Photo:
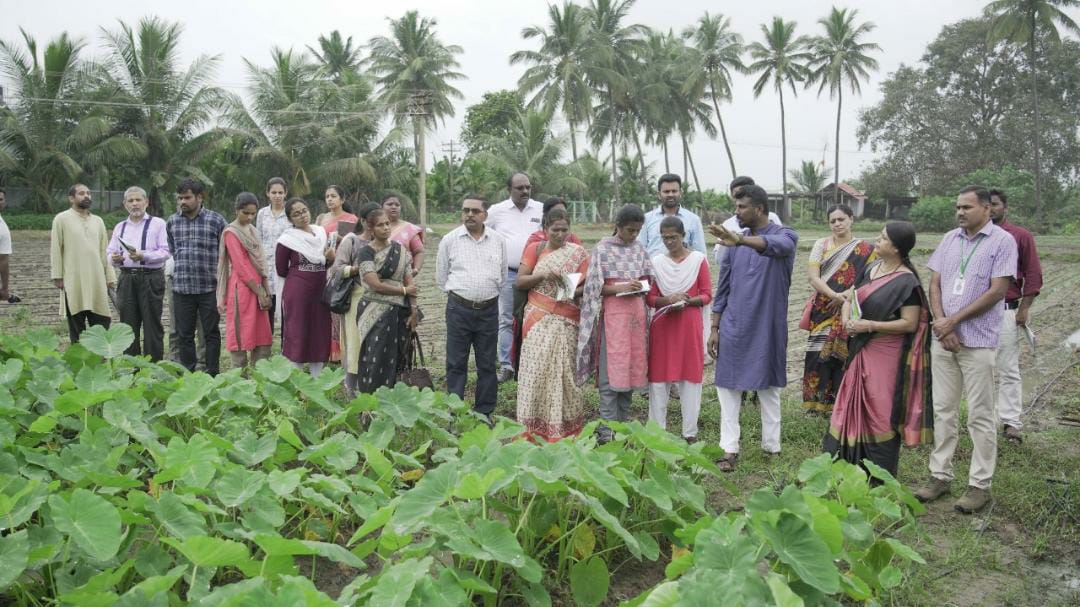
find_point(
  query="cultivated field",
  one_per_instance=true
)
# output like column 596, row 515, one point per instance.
column 1024, row 550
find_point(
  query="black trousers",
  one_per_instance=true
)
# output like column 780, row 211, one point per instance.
column 201, row 308
column 81, row 321
column 479, row 330
column 140, row 297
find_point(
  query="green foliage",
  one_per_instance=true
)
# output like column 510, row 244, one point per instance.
column 148, row 485
column 1018, row 185
column 934, row 213
column 491, row 120
column 833, row 536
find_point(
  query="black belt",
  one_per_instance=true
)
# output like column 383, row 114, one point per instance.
column 473, row 305
column 1012, row 305
column 140, row 270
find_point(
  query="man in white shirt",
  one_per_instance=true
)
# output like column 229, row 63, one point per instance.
column 514, row 219
column 471, row 267
column 5, row 252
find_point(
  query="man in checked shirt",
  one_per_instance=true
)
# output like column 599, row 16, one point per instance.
column 194, row 238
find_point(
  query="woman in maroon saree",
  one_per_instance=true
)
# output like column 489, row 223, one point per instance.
column 884, row 398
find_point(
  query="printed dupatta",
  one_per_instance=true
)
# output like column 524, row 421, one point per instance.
column 612, row 258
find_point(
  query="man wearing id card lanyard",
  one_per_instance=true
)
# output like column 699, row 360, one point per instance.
column 970, row 273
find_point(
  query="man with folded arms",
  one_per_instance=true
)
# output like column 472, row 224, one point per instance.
column 139, row 248
column 471, row 267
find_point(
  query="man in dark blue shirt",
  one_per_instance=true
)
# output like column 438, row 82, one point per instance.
column 194, row 238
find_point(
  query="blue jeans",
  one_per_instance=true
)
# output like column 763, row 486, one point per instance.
column 506, row 319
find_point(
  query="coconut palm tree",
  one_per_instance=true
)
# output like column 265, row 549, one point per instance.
column 809, row 178
column 339, row 58
column 304, row 125
column 161, row 104
column 50, row 133
column 557, row 71
column 413, row 70
column 781, row 61
column 839, row 57
column 612, row 48
column 716, row 52
column 1031, row 22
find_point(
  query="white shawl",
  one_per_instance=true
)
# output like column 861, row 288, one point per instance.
column 310, row 245
column 677, row 277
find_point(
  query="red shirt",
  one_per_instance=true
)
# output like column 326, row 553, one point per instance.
column 1028, row 281
column 540, row 235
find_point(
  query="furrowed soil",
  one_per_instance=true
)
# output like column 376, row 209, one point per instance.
column 1024, row 549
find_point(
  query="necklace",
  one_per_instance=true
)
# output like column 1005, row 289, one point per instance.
column 879, row 270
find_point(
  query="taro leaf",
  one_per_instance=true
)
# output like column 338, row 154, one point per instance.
column 816, row 474
column 284, row 483
column 855, row 587
column 650, row 549
column 43, row 424
column 107, row 343
column 826, row 524
column 535, row 595
column 589, row 581
column 664, row 595
column 10, row 371
column 608, row 520
column 238, row 486
column 127, row 414
column 400, row 404
column 75, row 401
column 546, row 463
column 430, row 492
column 242, row 393
column 443, row 590
column 890, row 577
column 263, row 514
column 14, row 554
column 280, row 546
column 204, row 551
column 473, row 486
column 395, row 585
column 583, row 541
column 177, row 518
column 853, row 486
column 470, row 581
column 192, row 390
column 275, row 370
column 313, row 390
column 782, row 593
column 252, row 450
column 592, row 472
column 797, row 546
column 194, row 462
column 90, row 520
column 375, row 521
column 905, row 551
column 499, row 542
column 857, row 530
column 287, row 433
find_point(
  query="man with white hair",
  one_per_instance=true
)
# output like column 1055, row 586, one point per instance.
column 139, row 249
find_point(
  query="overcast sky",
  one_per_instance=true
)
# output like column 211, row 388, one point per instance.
column 490, row 30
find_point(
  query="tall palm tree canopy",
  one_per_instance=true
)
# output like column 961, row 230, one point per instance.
column 1017, row 20
column 715, row 54
column 840, row 55
column 411, row 61
column 781, row 59
column 338, row 57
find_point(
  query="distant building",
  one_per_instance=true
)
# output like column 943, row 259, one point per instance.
column 848, row 195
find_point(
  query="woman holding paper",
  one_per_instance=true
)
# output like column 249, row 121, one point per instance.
column 549, row 402
column 335, row 214
column 614, row 336
column 884, row 397
column 677, row 349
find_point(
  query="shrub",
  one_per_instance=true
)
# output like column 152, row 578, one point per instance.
column 934, row 213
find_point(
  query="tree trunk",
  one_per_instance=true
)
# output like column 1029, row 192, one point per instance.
column 836, row 161
column 573, row 141
column 723, row 131
column 418, row 130
column 640, row 155
column 785, row 210
column 685, row 162
column 690, row 158
column 1039, row 216
column 615, row 162
column 667, row 164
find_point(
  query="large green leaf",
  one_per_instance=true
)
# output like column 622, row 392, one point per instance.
column 797, row 546
column 204, row 551
column 280, row 546
column 395, row 585
column 90, row 520
column 589, row 582
column 430, row 492
column 107, row 343
column 14, row 553
column 782, row 593
column 252, row 450
column 284, row 483
column 193, row 389
column 275, row 370
column 238, row 485
column 194, row 462
column 591, row 470
column 177, row 518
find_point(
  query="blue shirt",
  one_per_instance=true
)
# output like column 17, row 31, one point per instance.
column 195, row 244
column 649, row 237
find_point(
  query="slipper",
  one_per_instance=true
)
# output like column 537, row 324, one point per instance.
column 1013, row 435
column 727, row 463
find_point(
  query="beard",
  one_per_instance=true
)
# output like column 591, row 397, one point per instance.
column 84, row 204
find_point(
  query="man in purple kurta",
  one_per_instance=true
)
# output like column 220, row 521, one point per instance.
column 749, row 321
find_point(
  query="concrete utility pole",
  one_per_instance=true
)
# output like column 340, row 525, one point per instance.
column 419, row 109
column 450, row 149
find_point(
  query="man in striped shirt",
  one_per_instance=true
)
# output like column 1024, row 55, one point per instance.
column 970, row 273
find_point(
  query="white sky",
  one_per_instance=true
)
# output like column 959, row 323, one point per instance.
column 489, row 31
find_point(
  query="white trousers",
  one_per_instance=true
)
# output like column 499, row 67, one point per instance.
column 731, row 402
column 968, row 373
column 689, row 396
column 1010, row 386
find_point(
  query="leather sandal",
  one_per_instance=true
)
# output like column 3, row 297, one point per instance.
column 727, row 463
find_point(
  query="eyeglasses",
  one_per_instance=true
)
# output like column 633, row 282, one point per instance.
column 299, row 213
column 471, row 211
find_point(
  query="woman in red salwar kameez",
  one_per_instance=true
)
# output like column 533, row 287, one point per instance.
column 243, row 293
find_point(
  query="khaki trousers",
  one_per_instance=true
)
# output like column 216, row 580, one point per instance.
column 1010, row 385
column 968, row 373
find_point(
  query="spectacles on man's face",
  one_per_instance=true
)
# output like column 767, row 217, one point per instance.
column 471, row 211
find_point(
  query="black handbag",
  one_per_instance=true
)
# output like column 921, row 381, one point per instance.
column 412, row 374
column 337, row 294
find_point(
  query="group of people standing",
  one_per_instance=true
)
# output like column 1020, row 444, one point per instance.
column 268, row 263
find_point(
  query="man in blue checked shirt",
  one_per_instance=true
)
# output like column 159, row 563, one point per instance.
column 194, row 238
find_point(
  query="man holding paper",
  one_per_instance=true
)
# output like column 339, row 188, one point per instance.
column 749, row 321
column 139, row 248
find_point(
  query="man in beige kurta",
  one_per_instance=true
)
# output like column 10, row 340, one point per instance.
column 80, row 267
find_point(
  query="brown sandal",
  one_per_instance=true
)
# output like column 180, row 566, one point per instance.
column 727, row 463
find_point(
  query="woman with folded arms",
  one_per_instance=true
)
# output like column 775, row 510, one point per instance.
column 243, row 291
column 301, row 259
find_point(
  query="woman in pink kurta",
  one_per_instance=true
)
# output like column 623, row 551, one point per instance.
column 676, row 349
column 243, row 293
column 409, row 235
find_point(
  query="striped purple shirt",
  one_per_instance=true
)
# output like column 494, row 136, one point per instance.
column 992, row 255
